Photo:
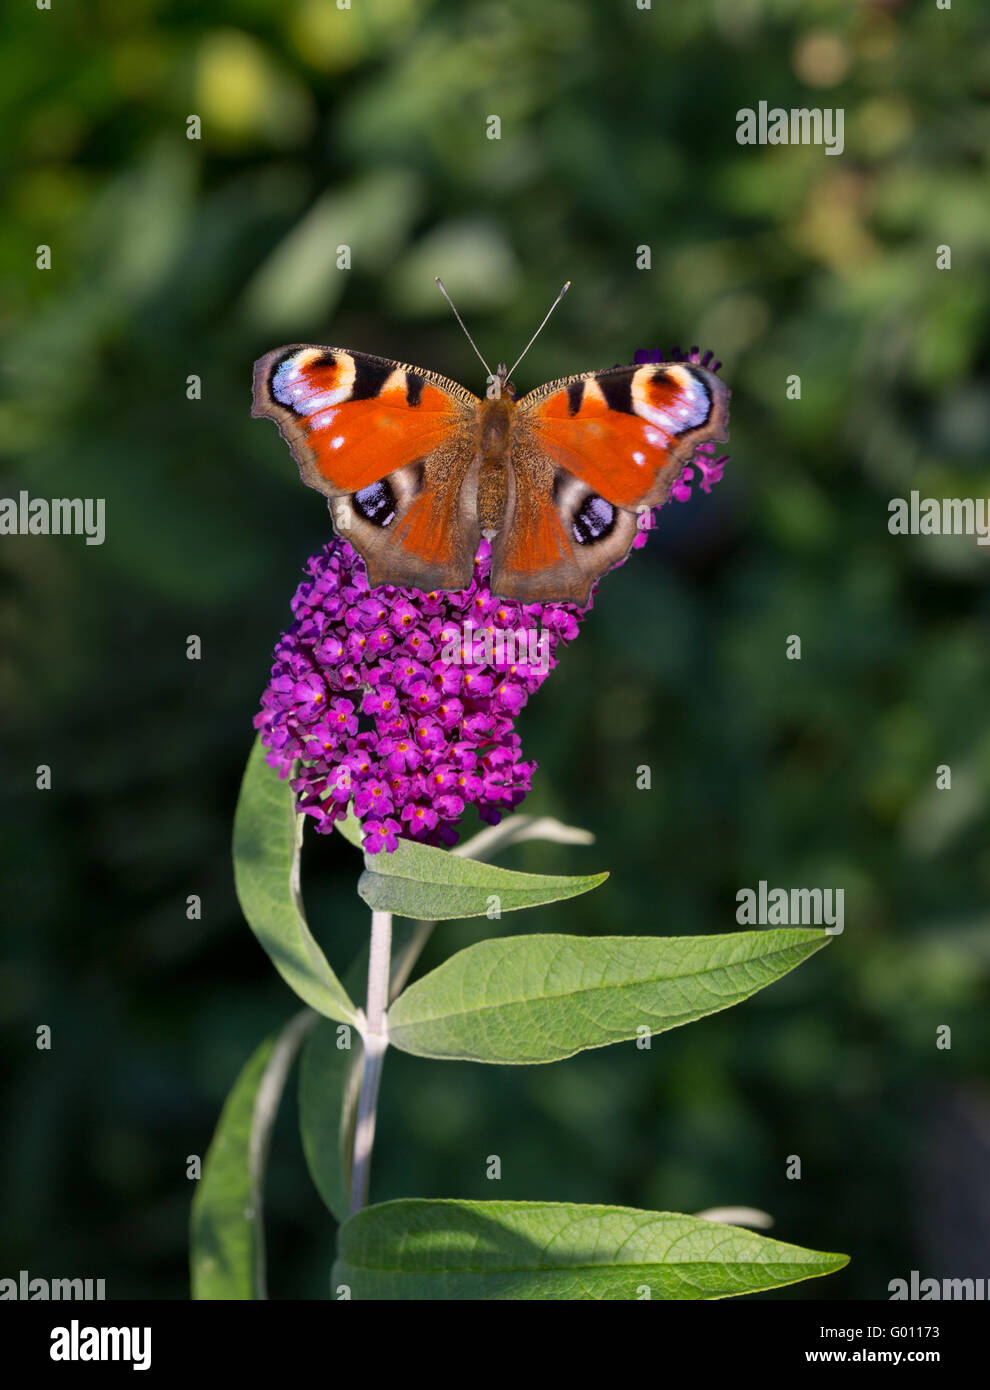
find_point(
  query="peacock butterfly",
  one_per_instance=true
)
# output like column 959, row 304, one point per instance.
column 417, row 469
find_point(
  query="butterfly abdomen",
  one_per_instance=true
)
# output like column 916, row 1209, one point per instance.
column 494, row 428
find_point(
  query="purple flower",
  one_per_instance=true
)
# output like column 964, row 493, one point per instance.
column 710, row 468
column 419, row 735
column 372, row 798
column 401, row 705
column 379, row 835
column 342, row 718
column 422, row 819
column 309, row 696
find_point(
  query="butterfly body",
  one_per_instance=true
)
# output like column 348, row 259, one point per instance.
column 417, row 469
column 494, row 434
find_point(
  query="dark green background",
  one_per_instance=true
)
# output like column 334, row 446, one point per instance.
column 173, row 257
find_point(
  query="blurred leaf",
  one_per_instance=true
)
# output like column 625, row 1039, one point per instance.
column 472, row 258
column 267, row 845
column 300, row 284
column 445, row 1250
column 542, row 998
column 329, row 1082
column 228, row 1244
column 242, row 94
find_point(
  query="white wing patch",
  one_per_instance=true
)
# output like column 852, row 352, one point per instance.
column 290, row 388
column 688, row 415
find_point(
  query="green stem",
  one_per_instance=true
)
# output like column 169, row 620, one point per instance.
column 375, row 1045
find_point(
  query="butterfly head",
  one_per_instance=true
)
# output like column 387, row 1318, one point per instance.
column 505, row 386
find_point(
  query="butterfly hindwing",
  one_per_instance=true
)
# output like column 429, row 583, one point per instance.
column 587, row 452
column 392, row 446
column 558, row 535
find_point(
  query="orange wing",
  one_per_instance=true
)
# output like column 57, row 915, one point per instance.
column 392, row 446
column 587, row 453
column 558, row 535
column 628, row 432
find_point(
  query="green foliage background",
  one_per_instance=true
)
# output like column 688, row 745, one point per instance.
column 173, row 257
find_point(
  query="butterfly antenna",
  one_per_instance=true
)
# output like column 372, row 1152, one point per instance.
column 461, row 322
column 543, row 325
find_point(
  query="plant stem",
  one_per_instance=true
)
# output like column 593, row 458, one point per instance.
column 375, row 1045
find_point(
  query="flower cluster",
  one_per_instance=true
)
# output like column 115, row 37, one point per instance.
column 402, row 704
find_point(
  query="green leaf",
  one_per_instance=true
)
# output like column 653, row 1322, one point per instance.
column 515, row 829
column 350, row 828
column 420, row 881
column 267, row 846
column 227, row 1248
column 329, row 1082
column 407, row 944
column 442, row 1250
column 541, row 998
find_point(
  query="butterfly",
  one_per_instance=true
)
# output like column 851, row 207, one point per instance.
column 418, row 469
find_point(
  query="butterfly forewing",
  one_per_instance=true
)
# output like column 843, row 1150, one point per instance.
column 627, row 432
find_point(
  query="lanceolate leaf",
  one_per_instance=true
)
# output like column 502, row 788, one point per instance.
column 267, row 845
column 541, row 998
column 420, row 881
column 228, row 1251
column 441, row 1250
column 410, row 937
column 329, row 1081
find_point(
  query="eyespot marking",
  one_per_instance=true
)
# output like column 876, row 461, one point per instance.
column 376, row 503
column 593, row 520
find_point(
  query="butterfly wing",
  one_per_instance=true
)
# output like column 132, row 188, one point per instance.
column 392, row 446
column 587, row 452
